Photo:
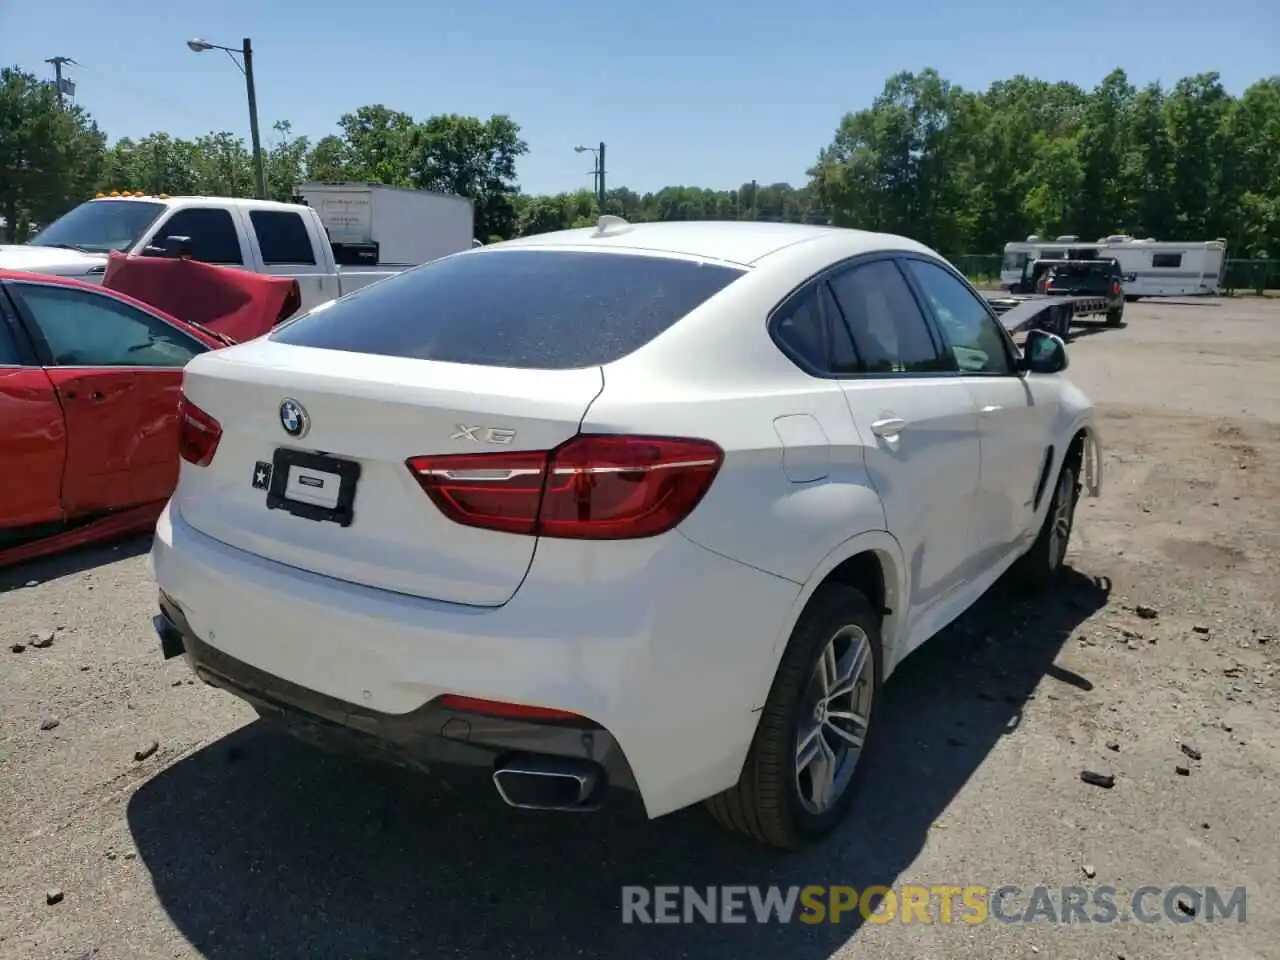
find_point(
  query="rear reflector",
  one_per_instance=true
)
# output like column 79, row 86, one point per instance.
column 498, row 708
column 198, row 433
column 592, row 487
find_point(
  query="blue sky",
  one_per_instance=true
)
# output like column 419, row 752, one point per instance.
column 712, row 93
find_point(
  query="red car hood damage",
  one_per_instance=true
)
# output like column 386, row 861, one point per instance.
column 236, row 303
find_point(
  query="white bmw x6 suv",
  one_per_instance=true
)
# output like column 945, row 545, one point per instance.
column 654, row 506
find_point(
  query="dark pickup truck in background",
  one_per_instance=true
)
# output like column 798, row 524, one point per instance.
column 1080, row 289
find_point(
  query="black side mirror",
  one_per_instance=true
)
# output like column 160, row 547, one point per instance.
column 174, row 248
column 177, row 247
column 1043, row 353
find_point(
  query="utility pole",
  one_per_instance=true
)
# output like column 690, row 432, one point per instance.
column 597, row 171
column 600, row 177
column 58, row 83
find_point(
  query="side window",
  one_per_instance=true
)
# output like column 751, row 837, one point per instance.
column 976, row 340
column 86, row 329
column 214, row 238
column 1166, row 260
column 800, row 329
column 889, row 331
column 283, row 238
column 844, row 357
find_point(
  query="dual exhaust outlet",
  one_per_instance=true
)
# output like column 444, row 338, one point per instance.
column 539, row 782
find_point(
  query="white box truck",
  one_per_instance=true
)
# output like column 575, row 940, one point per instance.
column 372, row 224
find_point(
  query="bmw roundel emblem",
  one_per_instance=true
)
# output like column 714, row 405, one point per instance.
column 294, row 418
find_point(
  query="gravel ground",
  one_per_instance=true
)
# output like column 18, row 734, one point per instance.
column 1159, row 652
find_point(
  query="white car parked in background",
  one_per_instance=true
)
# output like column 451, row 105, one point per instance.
column 658, row 506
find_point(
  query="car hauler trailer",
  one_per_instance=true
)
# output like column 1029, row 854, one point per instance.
column 1066, row 291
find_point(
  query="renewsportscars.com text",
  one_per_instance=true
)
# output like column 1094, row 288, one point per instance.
column 942, row 904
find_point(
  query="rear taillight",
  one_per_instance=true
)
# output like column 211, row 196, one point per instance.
column 1115, row 288
column 198, row 434
column 593, row 487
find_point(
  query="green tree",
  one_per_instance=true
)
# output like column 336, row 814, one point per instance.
column 472, row 158
column 50, row 155
column 285, row 162
column 380, row 145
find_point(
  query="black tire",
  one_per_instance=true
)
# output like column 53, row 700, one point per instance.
column 1115, row 317
column 1042, row 563
column 765, row 804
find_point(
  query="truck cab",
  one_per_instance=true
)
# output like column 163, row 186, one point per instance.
column 278, row 239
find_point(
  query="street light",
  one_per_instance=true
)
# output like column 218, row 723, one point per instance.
column 598, row 172
column 196, row 45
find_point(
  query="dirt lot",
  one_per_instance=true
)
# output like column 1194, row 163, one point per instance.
column 230, row 843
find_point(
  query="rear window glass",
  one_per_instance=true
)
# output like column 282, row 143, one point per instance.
column 540, row 309
column 1084, row 273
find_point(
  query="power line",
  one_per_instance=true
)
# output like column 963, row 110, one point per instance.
column 110, row 78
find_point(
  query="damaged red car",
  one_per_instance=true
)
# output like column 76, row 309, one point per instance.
column 90, row 380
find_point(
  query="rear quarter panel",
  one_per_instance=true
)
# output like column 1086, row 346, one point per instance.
column 717, row 375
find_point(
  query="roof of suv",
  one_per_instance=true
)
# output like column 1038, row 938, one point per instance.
column 734, row 241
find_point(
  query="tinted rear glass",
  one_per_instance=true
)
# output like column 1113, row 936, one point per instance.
column 516, row 308
column 1089, row 275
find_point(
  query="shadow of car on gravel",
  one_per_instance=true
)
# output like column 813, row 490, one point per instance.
column 75, row 560
column 262, row 847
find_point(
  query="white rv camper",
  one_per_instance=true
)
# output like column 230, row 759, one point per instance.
column 1160, row 268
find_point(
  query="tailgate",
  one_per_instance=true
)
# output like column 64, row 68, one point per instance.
column 373, row 412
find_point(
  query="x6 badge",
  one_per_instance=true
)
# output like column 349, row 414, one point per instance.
column 481, row 434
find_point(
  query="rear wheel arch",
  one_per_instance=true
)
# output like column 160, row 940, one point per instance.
column 871, row 563
column 856, row 590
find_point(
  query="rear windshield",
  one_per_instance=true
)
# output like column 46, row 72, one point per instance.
column 551, row 310
column 1084, row 271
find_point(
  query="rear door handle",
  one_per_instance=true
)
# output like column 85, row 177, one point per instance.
column 888, row 428
column 992, row 408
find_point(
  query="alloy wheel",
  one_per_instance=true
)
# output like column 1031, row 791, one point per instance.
column 835, row 710
column 1064, row 502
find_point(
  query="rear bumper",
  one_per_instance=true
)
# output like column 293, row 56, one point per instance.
column 432, row 734
column 666, row 648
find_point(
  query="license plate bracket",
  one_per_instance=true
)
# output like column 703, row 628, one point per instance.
column 313, row 470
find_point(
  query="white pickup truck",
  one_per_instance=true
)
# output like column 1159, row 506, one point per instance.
column 279, row 239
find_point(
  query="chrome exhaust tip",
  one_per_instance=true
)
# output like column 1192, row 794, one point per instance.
column 539, row 782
